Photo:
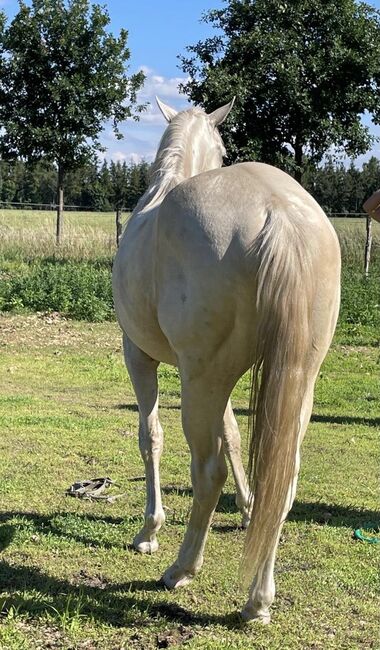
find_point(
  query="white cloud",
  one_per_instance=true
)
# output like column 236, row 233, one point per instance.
column 166, row 87
column 152, row 115
column 141, row 138
column 135, row 157
column 119, row 156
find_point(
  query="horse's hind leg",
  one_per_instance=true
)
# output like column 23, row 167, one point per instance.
column 203, row 407
column 232, row 448
column 143, row 372
column 262, row 591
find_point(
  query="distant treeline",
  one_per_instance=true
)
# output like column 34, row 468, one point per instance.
column 106, row 186
column 100, row 187
column 342, row 189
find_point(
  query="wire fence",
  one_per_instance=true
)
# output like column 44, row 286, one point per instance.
column 52, row 207
column 19, row 205
column 27, row 205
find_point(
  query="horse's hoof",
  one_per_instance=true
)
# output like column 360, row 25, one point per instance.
column 245, row 520
column 145, row 547
column 174, row 577
column 249, row 616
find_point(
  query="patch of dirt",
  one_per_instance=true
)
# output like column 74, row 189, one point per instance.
column 176, row 637
column 43, row 330
column 44, row 637
column 95, row 581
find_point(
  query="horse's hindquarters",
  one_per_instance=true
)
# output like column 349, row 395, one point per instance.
column 133, row 284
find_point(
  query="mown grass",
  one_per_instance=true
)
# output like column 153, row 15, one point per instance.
column 68, row 577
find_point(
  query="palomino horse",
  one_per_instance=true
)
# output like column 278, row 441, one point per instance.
column 221, row 270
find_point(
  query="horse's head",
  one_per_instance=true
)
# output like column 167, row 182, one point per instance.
column 197, row 131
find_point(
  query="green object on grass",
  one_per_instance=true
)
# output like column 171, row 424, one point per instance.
column 369, row 527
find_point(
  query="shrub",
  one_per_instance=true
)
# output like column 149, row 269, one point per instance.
column 80, row 290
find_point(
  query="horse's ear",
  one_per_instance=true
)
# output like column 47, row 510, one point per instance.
column 218, row 116
column 166, row 111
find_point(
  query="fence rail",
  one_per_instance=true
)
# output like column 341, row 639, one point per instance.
column 19, row 205
column 346, row 215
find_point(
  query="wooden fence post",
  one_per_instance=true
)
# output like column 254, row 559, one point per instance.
column 119, row 227
column 368, row 245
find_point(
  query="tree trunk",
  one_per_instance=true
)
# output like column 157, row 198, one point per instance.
column 298, row 160
column 368, row 246
column 119, row 227
column 59, row 228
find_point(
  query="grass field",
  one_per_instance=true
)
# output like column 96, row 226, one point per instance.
column 30, row 234
column 68, row 577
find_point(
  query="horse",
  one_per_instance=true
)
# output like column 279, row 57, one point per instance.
column 221, row 270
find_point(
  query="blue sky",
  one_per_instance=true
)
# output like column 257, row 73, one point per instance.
column 159, row 30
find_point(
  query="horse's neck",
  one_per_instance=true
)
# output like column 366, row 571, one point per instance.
column 165, row 175
column 173, row 165
column 158, row 188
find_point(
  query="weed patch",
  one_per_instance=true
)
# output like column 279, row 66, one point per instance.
column 79, row 290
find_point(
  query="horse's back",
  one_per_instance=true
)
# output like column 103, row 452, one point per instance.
column 206, row 271
column 213, row 218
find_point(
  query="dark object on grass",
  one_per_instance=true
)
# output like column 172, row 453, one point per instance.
column 92, row 489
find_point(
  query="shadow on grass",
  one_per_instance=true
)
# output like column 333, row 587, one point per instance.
column 346, row 419
column 127, row 407
column 226, row 501
column 128, row 603
column 174, row 407
column 245, row 412
column 117, row 604
column 46, row 525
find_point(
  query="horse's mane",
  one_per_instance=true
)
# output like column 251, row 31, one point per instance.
column 168, row 168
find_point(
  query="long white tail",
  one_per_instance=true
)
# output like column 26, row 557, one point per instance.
column 285, row 291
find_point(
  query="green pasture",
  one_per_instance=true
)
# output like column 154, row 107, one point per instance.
column 30, row 235
column 35, row 219
column 68, row 576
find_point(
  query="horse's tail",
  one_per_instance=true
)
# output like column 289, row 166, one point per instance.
column 279, row 379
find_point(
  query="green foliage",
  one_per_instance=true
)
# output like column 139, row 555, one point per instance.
column 80, row 290
column 340, row 189
column 336, row 187
column 360, row 302
column 63, row 75
column 303, row 72
column 118, row 184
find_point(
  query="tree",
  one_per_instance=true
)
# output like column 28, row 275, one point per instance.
column 303, row 72
column 119, row 191
column 354, row 188
column 105, row 184
column 63, row 74
column 370, row 176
